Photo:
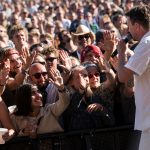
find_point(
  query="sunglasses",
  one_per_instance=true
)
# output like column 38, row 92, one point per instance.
column 50, row 59
column 81, row 37
column 39, row 74
column 97, row 74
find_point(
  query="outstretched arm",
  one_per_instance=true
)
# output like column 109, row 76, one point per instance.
column 58, row 107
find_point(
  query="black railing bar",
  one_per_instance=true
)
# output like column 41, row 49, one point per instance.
column 71, row 133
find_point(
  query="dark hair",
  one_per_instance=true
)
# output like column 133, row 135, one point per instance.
column 35, row 46
column 140, row 14
column 99, row 35
column 116, row 17
column 23, row 99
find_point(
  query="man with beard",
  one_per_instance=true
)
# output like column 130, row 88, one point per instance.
column 82, row 37
column 66, row 42
column 38, row 75
column 17, row 71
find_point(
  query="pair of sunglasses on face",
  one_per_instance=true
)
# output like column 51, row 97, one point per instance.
column 39, row 74
column 50, row 59
column 96, row 74
column 81, row 37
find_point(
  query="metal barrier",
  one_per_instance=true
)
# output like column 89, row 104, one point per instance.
column 117, row 138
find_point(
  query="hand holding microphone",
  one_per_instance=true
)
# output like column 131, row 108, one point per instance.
column 127, row 38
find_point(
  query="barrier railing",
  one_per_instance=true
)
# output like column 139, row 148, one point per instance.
column 117, row 138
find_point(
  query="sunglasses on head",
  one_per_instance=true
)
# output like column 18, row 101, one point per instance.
column 39, row 74
column 96, row 74
column 50, row 59
column 86, row 36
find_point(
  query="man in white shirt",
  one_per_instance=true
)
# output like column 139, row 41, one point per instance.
column 139, row 66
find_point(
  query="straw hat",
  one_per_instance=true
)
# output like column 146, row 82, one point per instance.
column 81, row 30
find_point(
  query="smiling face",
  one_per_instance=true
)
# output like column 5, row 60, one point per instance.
column 80, row 78
column 38, row 75
column 19, row 38
column 15, row 63
column 36, row 97
column 94, row 77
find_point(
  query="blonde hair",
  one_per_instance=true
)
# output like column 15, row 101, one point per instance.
column 16, row 28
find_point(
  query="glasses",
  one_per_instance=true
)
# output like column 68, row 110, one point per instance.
column 39, row 74
column 50, row 59
column 97, row 74
column 81, row 37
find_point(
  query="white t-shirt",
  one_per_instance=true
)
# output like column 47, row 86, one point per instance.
column 139, row 63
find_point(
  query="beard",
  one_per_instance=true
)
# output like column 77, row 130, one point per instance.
column 12, row 74
column 43, row 87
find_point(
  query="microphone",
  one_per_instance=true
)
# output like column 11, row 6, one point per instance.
column 126, row 39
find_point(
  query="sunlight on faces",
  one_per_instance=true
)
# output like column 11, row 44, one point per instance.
column 51, row 61
column 36, row 97
column 133, row 28
column 90, row 56
column 84, row 40
column 39, row 59
column 19, row 37
column 94, row 77
column 15, row 63
column 38, row 68
column 80, row 79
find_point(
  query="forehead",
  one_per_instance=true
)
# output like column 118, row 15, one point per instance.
column 90, row 53
column 79, row 71
column 13, row 56
column 37, row 67
column 65, row 32
column 20, row 32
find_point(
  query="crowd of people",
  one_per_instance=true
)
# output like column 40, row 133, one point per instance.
column 59, row 67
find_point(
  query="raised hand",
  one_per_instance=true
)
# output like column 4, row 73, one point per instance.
column 27, row 58
column 56, row 79
column 65, row 59
column 4, row 74
column 114, row 62
column 110, row 41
